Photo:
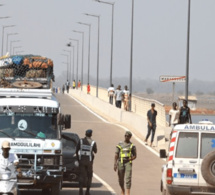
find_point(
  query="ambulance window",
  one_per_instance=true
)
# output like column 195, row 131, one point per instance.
column 207, row 143
column 187, row 146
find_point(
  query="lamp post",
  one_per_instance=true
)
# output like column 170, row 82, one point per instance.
column 19, row 52
column 188, row 53
column 77, row 41
column 69, row 64
column 73, row 62
column 16, row 48
column 97, row 80
column 7, row 39
column 131, row 52
column 11, row 44
column 88, row 72
column 82, row 60
column 2, row 46
column 112, row 29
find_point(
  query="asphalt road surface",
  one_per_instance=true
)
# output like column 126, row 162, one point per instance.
column 146, row 168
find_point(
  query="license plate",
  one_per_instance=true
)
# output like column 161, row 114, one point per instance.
column 185, row 176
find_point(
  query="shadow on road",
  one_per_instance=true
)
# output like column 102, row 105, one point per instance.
column 76, row 185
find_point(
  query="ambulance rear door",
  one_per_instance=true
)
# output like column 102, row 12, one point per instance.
column 186, row 162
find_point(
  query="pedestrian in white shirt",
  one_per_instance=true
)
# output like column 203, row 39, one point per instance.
column 111, row 91
column 173, row 116
column 7, row 160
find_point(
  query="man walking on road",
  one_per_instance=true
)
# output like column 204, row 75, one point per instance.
column 151, row 117
column 125, row 154
column 85, row 154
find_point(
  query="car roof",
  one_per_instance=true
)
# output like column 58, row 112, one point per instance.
column 70, row 135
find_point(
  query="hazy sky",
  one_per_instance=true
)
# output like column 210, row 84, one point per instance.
column 160, row 34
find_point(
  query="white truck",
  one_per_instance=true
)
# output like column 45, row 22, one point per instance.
column 190, row 163
column 31, row 121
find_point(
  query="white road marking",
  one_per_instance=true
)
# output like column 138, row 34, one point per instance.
column 105, row 184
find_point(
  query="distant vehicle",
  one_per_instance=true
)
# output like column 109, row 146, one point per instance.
column 70, row 163
column 190, row 165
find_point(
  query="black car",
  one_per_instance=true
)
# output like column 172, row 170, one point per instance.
column 70, row 163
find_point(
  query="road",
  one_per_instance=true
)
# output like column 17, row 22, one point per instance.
column 146, row 168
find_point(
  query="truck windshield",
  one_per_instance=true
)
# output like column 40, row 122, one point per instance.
column 207, row 143
column 187, row 146
column 24, row 125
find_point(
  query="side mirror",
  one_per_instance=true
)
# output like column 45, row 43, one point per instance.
column 67, row 121
column 163, row 153
column 60, row 119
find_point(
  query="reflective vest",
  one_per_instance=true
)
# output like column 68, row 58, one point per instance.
column 86, row 150
column 125, row 152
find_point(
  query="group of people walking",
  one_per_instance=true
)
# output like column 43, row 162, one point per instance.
column 176, row 116
column 120, row 96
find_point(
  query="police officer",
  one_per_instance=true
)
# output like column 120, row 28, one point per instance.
column 125, row 154
column 85, row 154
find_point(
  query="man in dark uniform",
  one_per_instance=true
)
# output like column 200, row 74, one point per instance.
column 184, row 116
column 125, row 154
column 85, row 154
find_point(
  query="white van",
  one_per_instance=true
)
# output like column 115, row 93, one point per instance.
column 190, row 163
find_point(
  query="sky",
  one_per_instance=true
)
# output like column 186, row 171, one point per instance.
column 160, row 35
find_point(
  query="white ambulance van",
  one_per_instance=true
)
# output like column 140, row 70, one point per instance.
column 190, row 163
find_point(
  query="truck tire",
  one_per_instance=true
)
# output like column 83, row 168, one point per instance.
column 55, row 189
column 208, row 168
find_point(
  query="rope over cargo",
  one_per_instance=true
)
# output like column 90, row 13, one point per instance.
column 26, row 68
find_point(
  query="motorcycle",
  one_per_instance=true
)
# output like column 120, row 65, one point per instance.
column 8, row 182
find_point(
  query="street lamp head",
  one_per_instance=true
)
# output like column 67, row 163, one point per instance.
column 8, row 26
column 68, row 44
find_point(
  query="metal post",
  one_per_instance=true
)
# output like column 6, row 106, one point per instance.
column 7, row 40
column 112, row 26
column 173, row 91
column 2, row 46
column 11, row 45
column 188, row 52
column 131, row 54
column 88, row 72
column 77, row 59
column 82, row 59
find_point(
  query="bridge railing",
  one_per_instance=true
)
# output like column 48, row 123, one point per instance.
column 139, row 105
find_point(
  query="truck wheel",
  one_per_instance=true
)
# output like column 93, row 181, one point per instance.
column 208, row 168
column 55, row 189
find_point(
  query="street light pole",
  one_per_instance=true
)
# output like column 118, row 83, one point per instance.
column 15, row 48
column 131, row 52
column 77, row 58
column 112, row 29
column 188, row 52
column 88, row 72
column 7, row 40
column 11, row 44
column 2, row 46
column 73, row 63
column 68, row 64
column 97, row 80
column 82, row 61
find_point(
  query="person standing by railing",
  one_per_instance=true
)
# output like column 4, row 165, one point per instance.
column 111, row 91
column 118, row 96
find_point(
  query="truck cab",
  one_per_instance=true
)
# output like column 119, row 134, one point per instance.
column 190, row 163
